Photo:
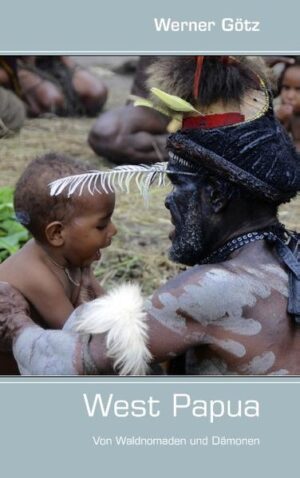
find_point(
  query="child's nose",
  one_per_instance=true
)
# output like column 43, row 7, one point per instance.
column 113, row 230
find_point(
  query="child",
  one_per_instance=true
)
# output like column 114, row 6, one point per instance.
column 53, row 270
column 287, row 106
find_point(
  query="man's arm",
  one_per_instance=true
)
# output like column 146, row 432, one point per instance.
column 120, row 328
column 119, row 342
column 45, row 352
column 172, row 328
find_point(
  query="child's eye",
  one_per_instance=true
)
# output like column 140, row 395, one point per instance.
column 101, row 228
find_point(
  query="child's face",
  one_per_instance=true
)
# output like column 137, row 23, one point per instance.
column 290, row 88
column 90, row 230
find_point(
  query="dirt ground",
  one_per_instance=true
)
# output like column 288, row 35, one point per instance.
column 139, row 250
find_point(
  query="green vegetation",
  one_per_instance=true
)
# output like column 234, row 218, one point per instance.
column 12, row 234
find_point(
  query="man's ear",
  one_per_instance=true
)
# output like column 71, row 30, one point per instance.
column 54, row 234
column 217, row 195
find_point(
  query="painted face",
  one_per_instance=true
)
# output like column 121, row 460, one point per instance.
column 90, row 229
column 290, row 88
column 185, row 206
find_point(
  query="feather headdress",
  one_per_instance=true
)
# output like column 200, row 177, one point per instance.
column 202, row 94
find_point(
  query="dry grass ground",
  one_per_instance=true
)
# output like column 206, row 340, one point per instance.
column 139, row 250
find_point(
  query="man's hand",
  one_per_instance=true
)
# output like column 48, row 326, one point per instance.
column 14, row 313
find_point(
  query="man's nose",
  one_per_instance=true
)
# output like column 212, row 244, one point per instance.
column 168, row 201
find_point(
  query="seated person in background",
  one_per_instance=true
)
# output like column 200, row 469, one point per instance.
column 12, row 109
column 287, row 105
column 132, row 134
column 53, row 270
column 54, row 84
column 12, row 113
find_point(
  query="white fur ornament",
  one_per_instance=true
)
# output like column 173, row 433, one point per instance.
column 120, row 314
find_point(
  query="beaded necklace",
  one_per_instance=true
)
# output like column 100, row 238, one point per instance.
column 221, row 254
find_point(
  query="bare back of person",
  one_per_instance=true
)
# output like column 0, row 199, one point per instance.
column 232, row 317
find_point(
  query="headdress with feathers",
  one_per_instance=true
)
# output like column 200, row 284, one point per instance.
column 223, row 106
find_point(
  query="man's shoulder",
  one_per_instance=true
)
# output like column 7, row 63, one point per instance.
column 216, row 289
column 209, row 275
column 215, row 294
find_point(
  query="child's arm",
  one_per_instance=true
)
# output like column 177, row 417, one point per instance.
column 98, row 289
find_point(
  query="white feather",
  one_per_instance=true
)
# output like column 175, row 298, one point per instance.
column 120, row 314
column 117, row 179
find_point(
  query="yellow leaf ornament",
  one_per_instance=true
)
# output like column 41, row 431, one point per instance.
column 174, row 102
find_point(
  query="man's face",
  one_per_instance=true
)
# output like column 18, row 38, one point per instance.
column 185, row 206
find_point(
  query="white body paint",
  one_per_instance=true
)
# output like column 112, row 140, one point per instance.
column 45, row 352
column 217, row 299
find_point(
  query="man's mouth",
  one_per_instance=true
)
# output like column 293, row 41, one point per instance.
column 172, row 232
column 172, row 218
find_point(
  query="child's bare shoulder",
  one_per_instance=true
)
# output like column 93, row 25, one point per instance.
column 27, row 272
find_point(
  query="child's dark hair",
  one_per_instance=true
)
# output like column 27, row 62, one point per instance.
column 34, row 207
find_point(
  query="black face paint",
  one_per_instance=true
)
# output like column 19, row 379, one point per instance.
column 185, row 206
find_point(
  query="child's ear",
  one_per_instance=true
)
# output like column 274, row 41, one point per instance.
column 54, row 234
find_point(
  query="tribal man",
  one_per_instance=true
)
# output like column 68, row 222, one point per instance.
column 237, row 309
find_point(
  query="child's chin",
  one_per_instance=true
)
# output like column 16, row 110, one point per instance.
column 96, row 257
